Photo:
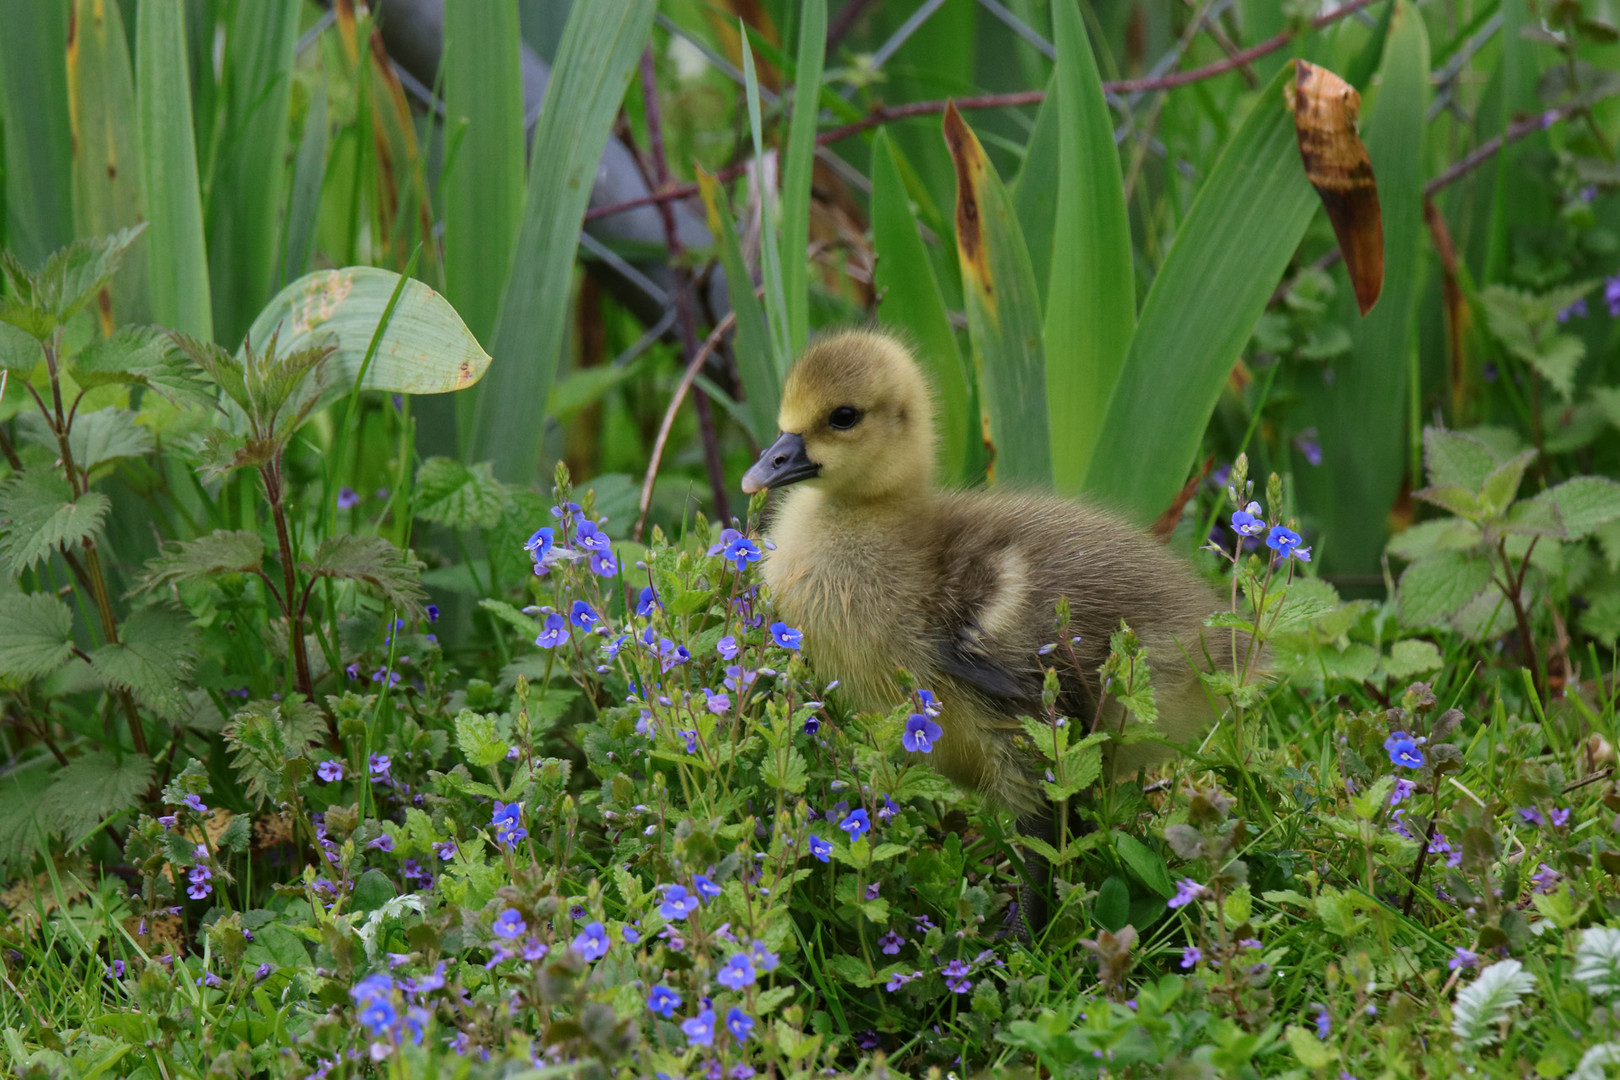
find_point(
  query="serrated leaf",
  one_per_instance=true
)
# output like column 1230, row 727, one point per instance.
column 36, row 636
column 38, row 514
column 1534, row 517
column 1302, row 603
column 1440, row 585
column 1459, row 500
column 459, row 496
column 1445, row 534
column 1584, row 504
column 67, row 281
column 93, row 787
column 1497, row 493
column 220, row 552
column 792, row 775
column 1455, row 458
column 512, row 617
column 1412, row 657
column 1483, row 1004
column 265, row 737
column 142, row 356
column 152, row 660
column 105, row 435
column 23, row 827
column 20, row 353
column 478, row 739
column 375, row 563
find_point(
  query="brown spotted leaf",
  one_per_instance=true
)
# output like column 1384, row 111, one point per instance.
column 1337, row 165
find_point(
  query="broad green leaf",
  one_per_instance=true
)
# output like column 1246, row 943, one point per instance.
column 38, row 514
column 94, row 786
column 483, row 184
column 457, row 495
column 1004, row 316
column 106, row 159
column 426, row 348
column 36, row 635
column 1439, row 585
column 1148, row 865
column 1459, row 500
column 68, row 280
column 1412, row 657
column 600, row 45
column 797, row 168
column 152, row 660
column 219, row 552
column 1091, row 296
column 1503, row 484
column 1227, row 257
column 1534, row 517
column 910, row 300
column 1457, row 458
column 304, row 197
column 373, row 563
column 478, row 739
column 770, row 252
column 1453, row 534
column 105, row 435
column 1034, row 193
column 1584, row 504
column 23, row 825
column 34, row 119
column 176, row 253
column 20, row 352
column 751, row 343
column 246, row 191
column 142, row 356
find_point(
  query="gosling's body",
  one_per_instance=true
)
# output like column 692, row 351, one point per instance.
column 882, row 570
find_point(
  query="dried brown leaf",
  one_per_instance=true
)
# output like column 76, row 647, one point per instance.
column 1336, row 163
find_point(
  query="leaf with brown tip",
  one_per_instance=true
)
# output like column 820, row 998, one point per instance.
column 1337, row 165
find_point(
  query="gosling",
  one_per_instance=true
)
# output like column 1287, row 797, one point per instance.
column 882, row 570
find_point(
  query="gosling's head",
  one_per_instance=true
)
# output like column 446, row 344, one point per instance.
column 857, row 422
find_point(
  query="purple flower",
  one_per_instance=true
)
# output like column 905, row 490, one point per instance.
column 533, row 950
column 262, row 972
column 727, row 647
column 717, row 702
column 691, row 740
column 385, row 842
column 787, row 637
column 891, row 943
column 509, row 924
column 353, row 670
column 1560, row 818
column 737, row 972
column 566, row 509
column 348, row 498
column 899, row 979
column 508, row 822
column 706, row 889
column 857, row 824
column 1403, row 790
column 1575, row 310
column 1324, row 1020
column 330, row 770
column 1611, row 295
column 445, row 850
column 740, row 1024
column 1190, row 956
column 555, row 632
column 1285, row 542
column 1463, row 960
column 1248, row 522
column 1187, row 890
column 379, row 765
column 195, row 802
column 956, row 976
column 663, row 1001
column 199, row 886
column 1309, row 446
column 1532, row 816
column 820, row 848
column 699, row 1030
column 603, row 564
column 432, row 613
column 1546, row 879
column 592, row 538
column 1403, row 751
column 921, row 734
column 647, row 602
column 593, row 941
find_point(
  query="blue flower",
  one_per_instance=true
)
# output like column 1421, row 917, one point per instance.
column 891, row 943
column 740, row 551
column 740, row 1024
column 699, row 1029
column 539, row 545
column 929, row 703
column 555, row 633
column 1285, row 542
column 647, row 602
column 921, row 734
column 678, row 903
column 1403, row 750
column 330, row 770
column 1248, row 522
column 1190, row 956
column 432, row 612
column 1611, row 295
column 610, row 649
column 347, row 498
column 787, row 637
column 821, row 849
column 956, row 976
column 764, row 960
column 1324, row 1020
column 509, row 823
column 1560, row 818
column 856, row 824
column 1403, row 790
column 1465, row 958
column 718, row 703
column 727, row 647
column 737, row 972
column 1187, row 890
column 603, row 564
column 706, row 889
column 592, row 538
column 567, row 508
column 593, row 941
column 509, row 923
column 353, row 670
column 691, row 740
column 582, row 615
column 663, row 1001
column 194, row 801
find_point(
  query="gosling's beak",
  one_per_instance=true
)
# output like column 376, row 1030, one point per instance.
column 784, row 462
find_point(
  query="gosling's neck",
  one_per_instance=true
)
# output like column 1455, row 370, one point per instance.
column 902, row 501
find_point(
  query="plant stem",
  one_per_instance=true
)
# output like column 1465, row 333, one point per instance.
column 271, row 475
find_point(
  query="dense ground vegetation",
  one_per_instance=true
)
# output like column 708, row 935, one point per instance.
column 382, row 695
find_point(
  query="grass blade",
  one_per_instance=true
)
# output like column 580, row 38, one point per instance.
column 1361, row 418
column 801, row 159
column 770, row 254
column 751, row 344
column 1035, row 191
column 1233, row 246
column 304, row 200
column 1004, row 316
column 38, row 135
column 483, row 188
column 601, row 43
column 106, row 170
column 912, row 303
column 177, row 258
column 1091, row 298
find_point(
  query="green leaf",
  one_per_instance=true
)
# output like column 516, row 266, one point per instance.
column 152, row 660
column 67, row 281
column 1148, row 865
column 34, row 118
column 304, row 199
column 1091, row 296
column 1458, row 500
column 1585, row 504
column 374, row 563
column 1503, row 484
column 457, row 495
column 1454, row 534
column 372, row 890
column 1440, row 585
column 142, row 356
column 1456, row 458
column 910, row 300
column 38, row 515
column 797, row 167
column 106, row 435
column 511, row 616
column 220, row 552
column 1034, row 193
column 95, row 786
column 1004, row 316
column 23, row 826
column 751, row 343
column 36, row 635
column 176, row 251
column 1411, row 658
column 483, row 183
column 770, row 253
column 478, row 739
column 1227, row 257
column 265, row 737
column 600, row 45
column 20, row 352
column 426, row 348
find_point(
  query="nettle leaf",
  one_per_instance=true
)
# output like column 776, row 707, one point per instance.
column 152, row 660
column 220, row 552
column 478, row 739
column 457, row 495
column 1527, row 325
column 1453, row 458
column 1496, row 495
column 1534, row 517
column 1411, row 658
column 1459, row 500
column 38, row 514
column 36, row 636
column 374, row 563
column 94, row 787
column 265, row 737
column 511, row 616
column 141, row 356
column 105, row 435
column 1584, row 504
column 72, row 276
column 23, row 826
column 1444, row 534
column 1440, row 585
column 20, row 353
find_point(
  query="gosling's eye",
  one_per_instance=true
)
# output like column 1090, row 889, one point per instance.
column 844, row 417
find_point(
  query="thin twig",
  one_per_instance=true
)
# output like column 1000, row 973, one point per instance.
column 1489, row 148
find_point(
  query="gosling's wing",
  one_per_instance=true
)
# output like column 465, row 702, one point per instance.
column 963, row 656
